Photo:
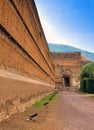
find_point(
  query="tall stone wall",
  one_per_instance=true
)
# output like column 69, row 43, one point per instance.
column 67, row 67
column 24, row 52
column 20, row 28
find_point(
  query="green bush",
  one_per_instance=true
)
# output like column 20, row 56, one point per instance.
column 87, row 85
column 83, row 85
column 87, row 71
column 90, row 85
column 87, row 78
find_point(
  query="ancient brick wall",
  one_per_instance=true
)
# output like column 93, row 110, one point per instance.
column 23, row 52
column 20, row 28
column 67, row 66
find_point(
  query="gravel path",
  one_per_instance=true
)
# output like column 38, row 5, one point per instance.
column 70, row 112
column 76, row 111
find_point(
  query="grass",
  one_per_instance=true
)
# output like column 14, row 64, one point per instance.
column 39, row 104
column 45, row 99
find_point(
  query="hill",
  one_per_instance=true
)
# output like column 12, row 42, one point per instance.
column 67, row 48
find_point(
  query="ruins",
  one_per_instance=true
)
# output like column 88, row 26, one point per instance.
column 67, row 68
column 26, row 71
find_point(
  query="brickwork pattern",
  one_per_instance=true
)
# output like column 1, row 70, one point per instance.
column 23, row 50
column 24, row 27
column 67, row 64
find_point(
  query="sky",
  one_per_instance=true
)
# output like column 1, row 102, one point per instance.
column 69, row 22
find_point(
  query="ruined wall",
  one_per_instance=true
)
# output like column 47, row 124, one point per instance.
column 84, row 60
column 23, row 47
column 67, row 64
column 21, row 29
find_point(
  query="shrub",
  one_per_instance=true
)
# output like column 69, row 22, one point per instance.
column 90, row 85
column 87, row 71
column 83, row 85
column 87, row 78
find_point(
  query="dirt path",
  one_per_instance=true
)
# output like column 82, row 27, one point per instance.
column 76, row 111
column 70, row 112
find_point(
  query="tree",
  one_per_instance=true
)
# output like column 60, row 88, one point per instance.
column 87, row 78
column 87, row 71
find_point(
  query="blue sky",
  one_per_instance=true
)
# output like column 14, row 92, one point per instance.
column 69, row 22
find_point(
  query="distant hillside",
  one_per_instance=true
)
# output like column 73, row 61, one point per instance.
column 66, row 48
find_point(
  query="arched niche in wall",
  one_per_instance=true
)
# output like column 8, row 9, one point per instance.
column 67, row 78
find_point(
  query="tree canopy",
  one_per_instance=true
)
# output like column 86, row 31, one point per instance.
column 87, row 71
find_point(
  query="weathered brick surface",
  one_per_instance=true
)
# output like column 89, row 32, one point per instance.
column 16, row 96
column 23, row 50
column 32, row 24
column 30, row 40
column 19, row 32
column 67, row 65
column 17, row 60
